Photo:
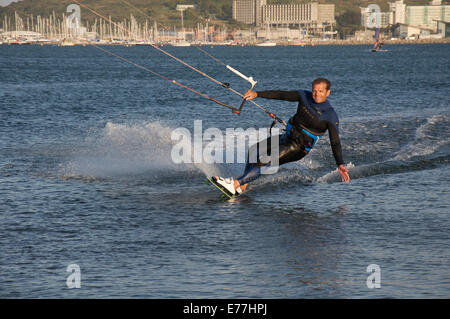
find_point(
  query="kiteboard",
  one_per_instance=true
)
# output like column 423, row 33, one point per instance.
column 225, row 194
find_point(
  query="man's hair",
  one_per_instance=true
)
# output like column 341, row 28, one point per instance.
column 322, row 80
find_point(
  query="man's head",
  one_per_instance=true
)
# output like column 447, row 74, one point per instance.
column 320, row 90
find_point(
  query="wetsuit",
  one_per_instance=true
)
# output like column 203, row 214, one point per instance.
column 304, row 129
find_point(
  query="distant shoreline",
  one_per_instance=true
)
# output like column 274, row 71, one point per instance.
column 350, row 42
column 300, row 43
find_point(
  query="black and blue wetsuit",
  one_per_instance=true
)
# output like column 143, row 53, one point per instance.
column 304, row 129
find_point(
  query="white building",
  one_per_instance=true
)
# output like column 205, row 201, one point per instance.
column 397, row 12
column 309, row 15
column 366, row 35
column 284, row 34
column 427, row 16
column 248, row 11
column 243, row 11
column 22, row 35
column 419, row 19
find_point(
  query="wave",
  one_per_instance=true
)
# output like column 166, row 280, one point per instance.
column 128, row 150
column 144, row 150
column 151, row 150
column 429, row 137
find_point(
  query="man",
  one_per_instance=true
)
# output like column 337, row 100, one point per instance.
column 314, row 117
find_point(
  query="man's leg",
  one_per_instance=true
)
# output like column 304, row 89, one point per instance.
column 289, row 151
column 252, row 169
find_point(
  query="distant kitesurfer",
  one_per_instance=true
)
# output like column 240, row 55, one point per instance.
column 314, row 117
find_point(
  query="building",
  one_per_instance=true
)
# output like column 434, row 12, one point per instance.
column 259, row 4
column 23, row 35
column 406, row 31
column 397, row 12
column 412, row 19
column 248, row 11
column 243, row 11
column 326, row 13
column 297, row 14
column 286, row 14
column 283, row 34
column 366, row 35
column 443, row 28
column 312, row 16
column 426, row 16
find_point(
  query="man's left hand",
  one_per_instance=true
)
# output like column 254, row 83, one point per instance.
column 344, row 173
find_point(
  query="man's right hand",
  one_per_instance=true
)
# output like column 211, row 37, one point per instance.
column 250, row 95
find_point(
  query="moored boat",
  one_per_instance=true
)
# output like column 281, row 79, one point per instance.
column 266, row 44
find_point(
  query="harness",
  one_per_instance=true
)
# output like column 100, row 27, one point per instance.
column 303, row 137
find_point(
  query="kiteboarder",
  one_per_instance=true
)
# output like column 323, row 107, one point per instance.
column 313, row 118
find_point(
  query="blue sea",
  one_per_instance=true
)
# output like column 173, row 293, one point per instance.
column 87, row 176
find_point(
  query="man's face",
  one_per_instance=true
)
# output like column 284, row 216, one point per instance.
column 320, row 92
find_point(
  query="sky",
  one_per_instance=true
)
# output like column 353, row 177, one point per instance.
column 6, row 2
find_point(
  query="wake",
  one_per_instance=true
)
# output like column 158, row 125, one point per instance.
column 144, row 151
column 129, row 151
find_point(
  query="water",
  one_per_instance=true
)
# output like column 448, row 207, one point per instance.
column 86, row 176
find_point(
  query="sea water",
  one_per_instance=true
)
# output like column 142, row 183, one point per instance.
column 87, row 176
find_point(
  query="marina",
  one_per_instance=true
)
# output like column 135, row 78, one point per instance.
column 59, row 29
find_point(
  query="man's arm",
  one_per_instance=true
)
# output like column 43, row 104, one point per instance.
column 337, row 152
column 277, row 95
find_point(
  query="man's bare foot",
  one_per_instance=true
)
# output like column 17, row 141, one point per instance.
column 243, row 187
